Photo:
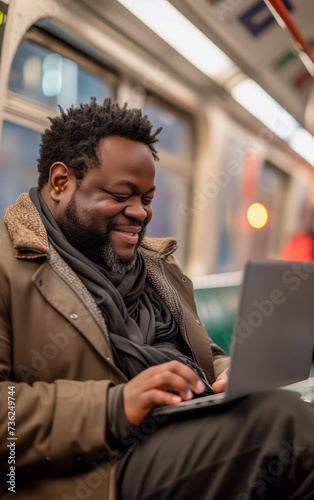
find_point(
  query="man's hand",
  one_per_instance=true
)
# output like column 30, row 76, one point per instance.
column 165, row 384
column 221, row 382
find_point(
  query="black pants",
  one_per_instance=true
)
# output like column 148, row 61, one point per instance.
column 261, row 447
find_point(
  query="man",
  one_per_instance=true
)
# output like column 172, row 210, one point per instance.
column 98, row 326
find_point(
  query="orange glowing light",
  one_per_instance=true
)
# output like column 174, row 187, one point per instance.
column 257, row 215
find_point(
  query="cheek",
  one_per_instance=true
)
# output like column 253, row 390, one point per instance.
column 104, row 210
column 149, row 212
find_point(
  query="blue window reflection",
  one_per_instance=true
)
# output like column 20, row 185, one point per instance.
column 176, row 135
column 172, row 192
column 50, row 79
column 18, row 169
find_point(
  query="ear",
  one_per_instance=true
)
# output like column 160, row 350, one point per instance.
column 59, row 180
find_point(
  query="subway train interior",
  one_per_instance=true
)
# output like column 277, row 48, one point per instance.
column 231, row 83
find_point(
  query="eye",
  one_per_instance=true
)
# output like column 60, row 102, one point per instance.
column 147, row 201
column 120, row 198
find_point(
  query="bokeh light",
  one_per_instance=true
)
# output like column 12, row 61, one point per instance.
column 257, row 215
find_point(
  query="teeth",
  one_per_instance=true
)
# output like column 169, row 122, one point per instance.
column 130, row 234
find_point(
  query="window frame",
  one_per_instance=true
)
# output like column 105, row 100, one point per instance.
column 50, row 42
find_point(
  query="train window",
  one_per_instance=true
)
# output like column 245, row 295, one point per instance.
column 239, row 239
column 49, row 78
column 172, row 190
column 271, row 189
column 174, row 172
column 18, row 172
column 176, row 135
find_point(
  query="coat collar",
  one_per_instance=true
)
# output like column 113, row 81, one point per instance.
column 30, row 240
column 28, row 234
column 161, row 246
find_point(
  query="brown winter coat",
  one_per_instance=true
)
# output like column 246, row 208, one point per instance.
column 54, row 351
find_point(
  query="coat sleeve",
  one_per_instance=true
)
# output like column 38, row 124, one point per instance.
column 58, row 425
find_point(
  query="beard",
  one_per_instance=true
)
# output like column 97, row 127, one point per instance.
column 96, row 245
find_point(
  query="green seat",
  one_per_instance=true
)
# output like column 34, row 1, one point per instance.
column 217, row 307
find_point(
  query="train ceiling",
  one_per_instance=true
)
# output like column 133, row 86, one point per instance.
column 248, row 33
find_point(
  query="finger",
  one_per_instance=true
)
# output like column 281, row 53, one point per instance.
column 219, row 385
column 193, row 380
column 172, row 382
column 157, row 397
column 137, row 410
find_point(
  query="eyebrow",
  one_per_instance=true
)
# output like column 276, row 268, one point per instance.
column 131, row 185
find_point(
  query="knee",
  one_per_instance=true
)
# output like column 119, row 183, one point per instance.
column 279, row 408
column 278, row 400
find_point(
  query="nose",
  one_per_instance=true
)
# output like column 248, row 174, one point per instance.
column 136, row 210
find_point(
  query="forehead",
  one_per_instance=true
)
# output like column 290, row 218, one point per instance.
column 124, row 159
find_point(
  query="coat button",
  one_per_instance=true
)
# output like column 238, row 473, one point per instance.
column 198, row 321
column 73, row 316
column 78, row 458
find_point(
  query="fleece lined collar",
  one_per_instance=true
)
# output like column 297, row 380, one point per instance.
column 28, row 234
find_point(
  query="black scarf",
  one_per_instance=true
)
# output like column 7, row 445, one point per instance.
column 142, row 330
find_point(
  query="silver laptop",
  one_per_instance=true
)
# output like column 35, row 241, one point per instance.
column 273, row 335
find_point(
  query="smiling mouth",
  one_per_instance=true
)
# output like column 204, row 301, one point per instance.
column 126, row 232
column 130, row 237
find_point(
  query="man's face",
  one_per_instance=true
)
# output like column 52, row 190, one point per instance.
column 107, row 214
